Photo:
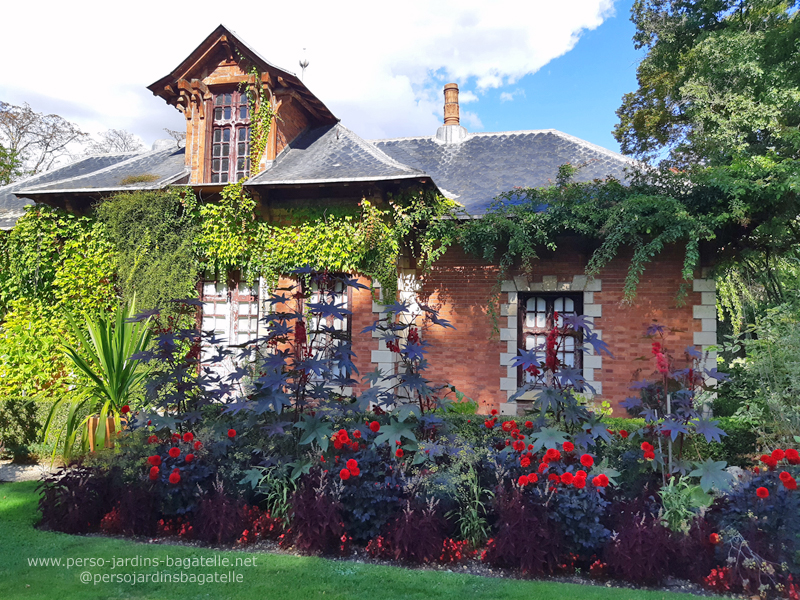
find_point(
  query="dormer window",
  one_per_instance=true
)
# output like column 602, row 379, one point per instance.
column 230, row 141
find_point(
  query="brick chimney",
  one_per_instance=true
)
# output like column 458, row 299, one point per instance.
column 451, row 104
column 451, row 132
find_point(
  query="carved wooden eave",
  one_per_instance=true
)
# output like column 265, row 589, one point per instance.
column 180, row 90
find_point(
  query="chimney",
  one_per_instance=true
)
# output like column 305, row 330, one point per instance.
column 451, row 132
column 451, row 104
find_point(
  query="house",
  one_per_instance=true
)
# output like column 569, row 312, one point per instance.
column 311, row 158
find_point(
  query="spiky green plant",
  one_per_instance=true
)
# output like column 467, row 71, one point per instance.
column 106, row 358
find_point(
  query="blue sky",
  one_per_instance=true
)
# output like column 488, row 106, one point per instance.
column 380, row 67
column 577, row 93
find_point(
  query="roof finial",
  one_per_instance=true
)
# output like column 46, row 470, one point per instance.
column 303, row 65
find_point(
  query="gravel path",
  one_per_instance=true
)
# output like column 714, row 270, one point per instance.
column 13, row 473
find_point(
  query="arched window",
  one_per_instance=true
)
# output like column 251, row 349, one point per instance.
column 230, row 138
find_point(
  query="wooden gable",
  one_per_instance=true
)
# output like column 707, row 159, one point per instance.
column 221, row 64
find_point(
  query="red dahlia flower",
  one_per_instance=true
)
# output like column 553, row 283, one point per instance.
column 399, row 453
column 529, row 424
column 552, row 454
column 493, row 411
column 125, row 410
column 567, row 478
column 189, row 458
column 174, row 477
column 714, row 538
column 647, row 446
column 579, row 482
column 587, row 460
column 154, row 473
column 352, row 464
column 154, row 460
column 525, row 462
column 553, row 477
column 231, row 433
column 543, row 467
column 603, row 479
column 153, row 439
column 569, row 446
column 778, row 455
column 785, row 476
column 793, row 456
column 374, row 426
column 790, row 484
column 355, row 471
column 188, row 436
column 198, row 444
column 344, row 474
column 533, row 478
column 523, row 480
column 623, row 434
column 357, row 434
column 650, row 455
column 762, row 492
column 174, row 452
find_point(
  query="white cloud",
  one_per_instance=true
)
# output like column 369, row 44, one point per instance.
column 509, row 96
column 467, row 97
column 378, row 66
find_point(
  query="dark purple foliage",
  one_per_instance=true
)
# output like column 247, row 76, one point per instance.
column 75, row 500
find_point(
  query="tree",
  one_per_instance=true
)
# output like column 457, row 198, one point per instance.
column 719, row 103
column 10, row 166
column 115, row 140
column 720, row 82
column 34, row 139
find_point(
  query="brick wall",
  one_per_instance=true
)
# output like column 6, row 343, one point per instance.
column 470, row 357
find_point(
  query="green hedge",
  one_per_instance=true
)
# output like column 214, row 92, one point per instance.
column 21, row 427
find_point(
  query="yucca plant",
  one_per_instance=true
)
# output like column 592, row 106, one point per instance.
column 107, row 360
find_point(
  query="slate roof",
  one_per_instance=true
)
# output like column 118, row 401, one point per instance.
column 332, row 154
column 12, row 207
column 474, row 171
column 165, row 166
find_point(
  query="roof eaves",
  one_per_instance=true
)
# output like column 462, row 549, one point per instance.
column 419, row 174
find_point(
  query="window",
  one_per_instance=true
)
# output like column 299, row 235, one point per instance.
column 230, row 138
column 326, row 332
column 537, row 316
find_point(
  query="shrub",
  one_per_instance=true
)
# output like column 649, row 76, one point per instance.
column 19, row 427
column 639, row 550
column 417, row 534
column 580, row 515
column 525, row 539
column 219, row 519
column 316, row 520
column 75, row 500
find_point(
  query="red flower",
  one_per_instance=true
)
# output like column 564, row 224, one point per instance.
column 174, row 477
column 508, row 425
column 352, row 464
column 793, row 456
column 587, row 460
column 543, row 467
column 493, row 411
column 529, row 424
column 375, row 426
column 344, row 474
column 231, row 433
column 533, row 478
column 778, row 454
column 154, row 472
column 603, row 479
column 552, row 454
column 176, row 437
column 569, row 446
column 153, row 439
column 198, row 444
column 189, row 458
column 174, row 452
column 337, row 444
column 399, row 453
column 647, row 446
column 762, row 492
column 525, row 462
column 154, row 460
column 785, row 476
column 581, row 473
column 567, row 478
column 355, row 471
column 790, row 484
column 579, row 482
column 553, row 477
column 488, row 423
column 357, row 434
column 714, row 538
column 188, row 436
column 756, row 470
column 523, row 480
column 623, row 434
column 125, row 410
column 650, row 455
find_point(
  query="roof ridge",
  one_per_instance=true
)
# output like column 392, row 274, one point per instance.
column 376, row 152
column 104, row 169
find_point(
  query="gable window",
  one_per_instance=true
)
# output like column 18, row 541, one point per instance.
column 230, row 138
column 537, row 316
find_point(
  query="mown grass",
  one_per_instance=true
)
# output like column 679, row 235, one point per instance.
column 273, row 576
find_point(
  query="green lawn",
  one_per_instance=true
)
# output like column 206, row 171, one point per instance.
column 273, row 576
